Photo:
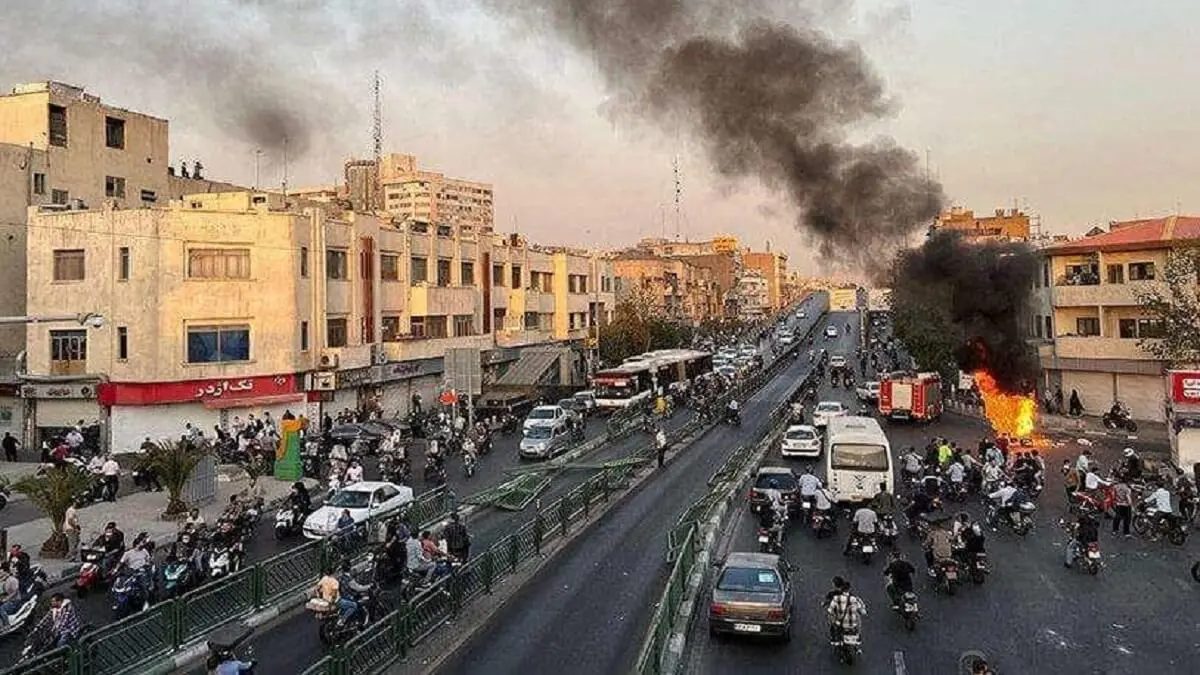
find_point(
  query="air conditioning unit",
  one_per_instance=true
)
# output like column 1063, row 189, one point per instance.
column 322, row 381
column 329, row 360
column 378, row 355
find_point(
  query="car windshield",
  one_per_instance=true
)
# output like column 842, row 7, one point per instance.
column 542, row 414
column 829, row 407
column 782, row 481
column 748, row 580
column 800, row 435
column 859, row 456
column 538, row 433
column 350, row 499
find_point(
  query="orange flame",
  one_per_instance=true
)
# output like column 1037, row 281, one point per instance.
column 1011, row 414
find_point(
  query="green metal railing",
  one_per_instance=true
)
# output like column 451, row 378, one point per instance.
column 650, row 658
column 130, row 645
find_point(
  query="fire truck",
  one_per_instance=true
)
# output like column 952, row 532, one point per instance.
column 904, row 396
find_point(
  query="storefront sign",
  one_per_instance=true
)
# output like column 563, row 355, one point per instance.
column 59, row 391
column 1185, row 386
column 356, row 377
column 155, row 393
column 407, row 370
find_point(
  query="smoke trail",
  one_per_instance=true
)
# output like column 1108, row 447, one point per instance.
column 768, row 100
column 974, row 296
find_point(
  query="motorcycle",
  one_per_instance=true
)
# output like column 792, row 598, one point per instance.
column 1196, row 571
column 1019, row 518
column 847, row 645
column 908, row 609
column 178, row 577
column 469, row 464
column 435, row 473
column 224, row 560
column 823, row 524
column 331, row 630
column 864, row 545
column 946, row 576
column 5, row 495
column 976, row 564
column 311, row 464
column 770, row 540
column 91, row 572
column 1099, row 501
column 129, row 593
column 887, row 531
column 288, row 521
column 222, row 643
column 1147, row 523
column 1120, row 421
column 24, row 612
column 733, row 418
column 957, row 492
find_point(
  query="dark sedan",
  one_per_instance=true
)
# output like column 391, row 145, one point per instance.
column 752, row 596
column 345, row 434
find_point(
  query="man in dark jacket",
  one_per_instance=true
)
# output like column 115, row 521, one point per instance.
column 458, row 540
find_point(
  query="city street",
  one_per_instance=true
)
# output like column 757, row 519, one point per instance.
column 597, row 597
column 289, row 655
column 1031, row 615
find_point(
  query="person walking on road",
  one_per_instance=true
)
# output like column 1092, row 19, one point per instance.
column 1122, row 508
column 72, row 529
column 458, row 540
column 660, row 443
column 10, row 445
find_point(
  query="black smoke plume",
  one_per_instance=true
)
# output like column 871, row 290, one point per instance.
column 769, row 100
column 975, row 298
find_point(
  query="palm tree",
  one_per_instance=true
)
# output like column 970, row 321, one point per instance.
column 174, row 462
column 52, row 491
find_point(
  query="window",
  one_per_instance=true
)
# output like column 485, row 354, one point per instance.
column 1143, row 271
column 1049, row 332
column 1037, row 326
column 68, row 346
column 1087, row 326
column 516, row 277
column 467, row 272
column 389, row 267
column 531, row 320
column 69, row 265
column 58, row 126
column 303, row 336
column 218, row 344
column 114, row 186
column 39, row 183
column 219, row 263
column 123, row 263
column 464, row 325
column 420, row 270
column 547, row 282
column 337, row 266
column 336, row 334
column 149, row 196
column 498, row 314
column 1140, row 328
column 114, row 133
column 535, row 280
column 1116, row 274
column 498, row 275
column 443, row 272
column 122, row 343
column 303, row 262
column 60, row 197
column 417, row 325
column 429, row 326
column 391, row 328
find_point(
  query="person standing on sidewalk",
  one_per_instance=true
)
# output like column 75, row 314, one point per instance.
column 1123, row 508
column 10, row 447
column 660, row 443
column 72, row 529
column 458, row 540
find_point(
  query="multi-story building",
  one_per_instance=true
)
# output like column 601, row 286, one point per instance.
column 1088, row 318
column 722, row 244
column 1004, row 225
column 223, row 304
column 772, row 266
column 398, row 187
column 675, row 287
column 64, row 148
column 753, row 296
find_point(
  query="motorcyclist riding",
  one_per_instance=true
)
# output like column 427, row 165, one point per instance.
column 1131, row 468
column 112, row 540
column 939, row 548
column 1087, row 531
column 843, row 609
column 899, row 574
column 866, row 523
column 62, row 620
column 809, row 485
column 349, row 589
column 299, row 499
column 1007, row 498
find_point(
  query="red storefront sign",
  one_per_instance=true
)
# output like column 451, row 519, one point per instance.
column 1185, row 386
column 265, row 388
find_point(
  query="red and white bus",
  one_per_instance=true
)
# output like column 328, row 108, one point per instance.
column 637, row 379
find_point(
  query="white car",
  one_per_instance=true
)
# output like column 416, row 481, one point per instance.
column 747, row 350
column 726, row 371
column 545, row 414
column 868, row 392
column 837, row 361
column 802, row 315
column 363, row 500
column 588, row 399
column 786, row 338
column 831, row 331
column 826, row 410
column 800, row 440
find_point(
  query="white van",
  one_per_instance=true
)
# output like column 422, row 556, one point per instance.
column 858, row 458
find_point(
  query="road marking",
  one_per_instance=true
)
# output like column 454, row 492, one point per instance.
column 898, row 660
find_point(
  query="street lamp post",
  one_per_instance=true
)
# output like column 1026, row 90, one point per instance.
column 88, row 319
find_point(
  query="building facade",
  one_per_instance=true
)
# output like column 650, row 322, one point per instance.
column 753, row 296
column 402, row 189
column 1088, row 320
column 676, row 288
column 771, row 266
column 1003, row 225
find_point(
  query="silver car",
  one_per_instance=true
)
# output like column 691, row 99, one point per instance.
column 544, row 440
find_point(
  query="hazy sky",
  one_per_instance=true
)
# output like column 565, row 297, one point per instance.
column 1081, row 110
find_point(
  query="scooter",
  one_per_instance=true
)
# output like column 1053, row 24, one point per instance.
column 770, row 540
column 224, row 641
column 129, row 593
column 469, row 464
column 887, row 531
column 224, row 561
column 17, row 620
column 288, row 521
column 945, row 576
column 864, row 544
column 178, row 577
column 331, row 629
column 847, row 645
column 91, row 572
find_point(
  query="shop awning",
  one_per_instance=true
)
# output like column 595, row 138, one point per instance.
column 528, row 371
column 253, row 401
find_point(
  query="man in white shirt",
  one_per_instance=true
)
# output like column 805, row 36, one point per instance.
column 956, row 473
column 111, row 472
column 866, row 523
column 1092, row 482
column 74, row 440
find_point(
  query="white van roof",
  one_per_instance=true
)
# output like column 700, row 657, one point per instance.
column 853, row 429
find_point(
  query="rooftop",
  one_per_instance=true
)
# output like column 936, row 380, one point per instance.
column 1134, row 235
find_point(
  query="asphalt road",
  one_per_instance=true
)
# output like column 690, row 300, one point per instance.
column 590, row 610
column 1031, row 616
column 280, row 652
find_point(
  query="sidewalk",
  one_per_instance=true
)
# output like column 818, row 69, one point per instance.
column 1148, row 432
column 138, row 512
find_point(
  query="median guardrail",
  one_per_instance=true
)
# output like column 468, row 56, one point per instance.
column 130, row 645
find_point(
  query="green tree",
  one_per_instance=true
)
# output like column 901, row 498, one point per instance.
column 637, row 328
column 1176, row 304
column 52, row 491
column 174, row 462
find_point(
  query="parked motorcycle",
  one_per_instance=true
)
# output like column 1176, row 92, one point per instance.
column 178, row 577
column 225, row 559
column 24, row 612
column 91, row 572
column 1019, row 518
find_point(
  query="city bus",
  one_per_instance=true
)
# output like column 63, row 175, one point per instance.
column 858, row 458
column 638, row 377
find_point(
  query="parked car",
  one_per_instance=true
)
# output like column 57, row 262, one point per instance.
column 826, row 410
column 837, row 361
column 363, row 500
column 802, row 314
column 543, row 414
column 773, row 477
column 869, row 391
column 588, row 399
column 800, row 440
column 544, row 440
column 346, row 434
column 752, row 595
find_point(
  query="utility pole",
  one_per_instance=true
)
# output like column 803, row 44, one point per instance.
column 377, row 138
column 285, row 167
column 678, row 193
column 257, row 167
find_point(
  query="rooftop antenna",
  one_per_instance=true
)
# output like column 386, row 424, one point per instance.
column 285, row 166
column 377, row 138
column 257, row 167
column 678, row 192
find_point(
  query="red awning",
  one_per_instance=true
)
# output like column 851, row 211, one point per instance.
column 253, row 401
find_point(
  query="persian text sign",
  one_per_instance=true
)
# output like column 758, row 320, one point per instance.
column 156, row 393
column 1185, row 386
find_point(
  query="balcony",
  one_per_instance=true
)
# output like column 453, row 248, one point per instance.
column 1099, row 348
column 350, row 357
column 431, row 348
column 519, row 338
column 429, row 300
column 1103, row 294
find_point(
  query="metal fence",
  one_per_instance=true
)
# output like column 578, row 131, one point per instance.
column 132, row 644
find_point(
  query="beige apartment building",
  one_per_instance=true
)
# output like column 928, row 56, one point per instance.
column 1088, row 319
column 1002, row 225
column 772, row 266
column 678, row 289
column 722, row 244
column 62, row 146
column 402, row 189
column 753, row 296
column 226, row 304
